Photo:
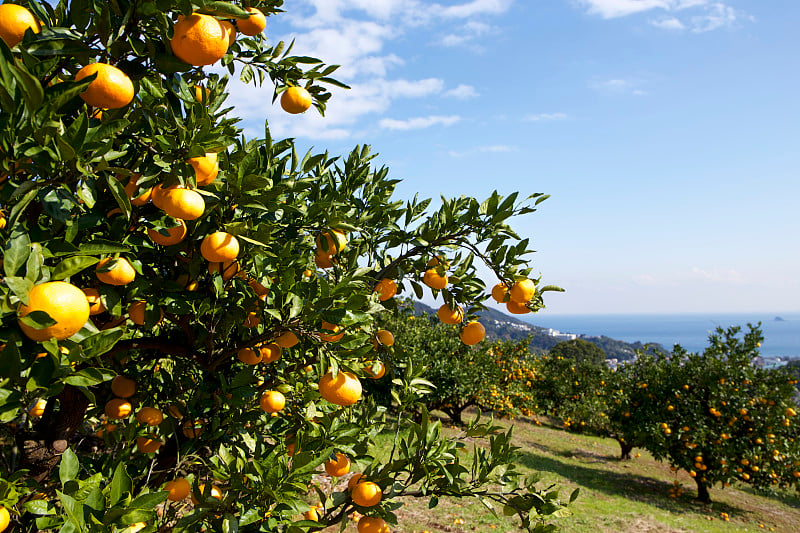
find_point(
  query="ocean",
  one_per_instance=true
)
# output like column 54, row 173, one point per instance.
column 691, row 330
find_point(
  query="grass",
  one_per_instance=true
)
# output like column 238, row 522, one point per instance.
column 618, row 496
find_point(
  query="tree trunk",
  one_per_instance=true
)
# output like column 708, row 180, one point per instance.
column 624, row 450
column 702, row 491
column 41, row 448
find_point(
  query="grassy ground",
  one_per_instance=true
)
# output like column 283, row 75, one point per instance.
column 627, row 496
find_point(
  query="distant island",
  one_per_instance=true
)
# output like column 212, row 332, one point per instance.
column 500, row 326
column 779, row 319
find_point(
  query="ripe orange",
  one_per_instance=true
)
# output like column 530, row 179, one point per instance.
column 450, row 316
column 372, row 524
column 379, row 373
column 354, row 480
column 272, row 401
column 270, row 353
column 331, row 337
column 332, row 241
column 183, row 203
column 228, row 269
column 213, row 492
column 386, row 289
column 192, row 430
column 205, row 168
column 150, row 416
column 5, row 516
column 338, row 467
column 516, row 308
column 64, row 302
column 254, row 24
column 95, row 301
column 295, row 100
column 311, row 514
column 123, row 387
column 110, row 90
column 38, row 407
column 322, row 259
column 249, row 356
column 434, row 280
column 522, row 291
column 117, row 409
column 131, row 188
column 230, row 29
column 148, row 444
column 121, row 272
column 252, row 320
column 287, row 339
column 136, row 313
column 345, row 389
column 176, row 234
column 178, row 489
column 199, row 90
column 219, row 247
column 159, row 192
column 199, row 40
column 385, row 337
column 366, row 494
column 473, row 333
column 14, row 20
column 499, row 292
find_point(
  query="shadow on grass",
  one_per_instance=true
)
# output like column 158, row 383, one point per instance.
column 630, row 486
column 786, row 498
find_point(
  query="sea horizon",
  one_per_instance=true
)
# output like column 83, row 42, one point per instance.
column 691, row 329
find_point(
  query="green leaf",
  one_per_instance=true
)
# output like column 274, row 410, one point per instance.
column 16, row 254
column 30, row 87
column 101, row 342
column 88, row 377
column 73, row 509
column 224, row 9
column 20, row 287
column 69, row 467
column 72, row 265
column 118, row 190
column 148, row 501
column 38, row 320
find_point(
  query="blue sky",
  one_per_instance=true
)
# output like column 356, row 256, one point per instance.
column 666, row 131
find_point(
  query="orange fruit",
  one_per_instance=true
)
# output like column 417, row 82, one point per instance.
column 121, row 272
column 270, row 353
column 338, row 467
column 14, row 20
column 322, row 259
column 499, row 292
column 213, row 492
column 332, row 241
column 159, row 192
column 378, row 374
column 473, row 333
column 95, row 301
column 175, row 235
column 123, row 387
column 311, row 514
column 178, row 489
column 260, row 290
column 228, row 269
column 131, row 189
column 205, row 168
column 5, row 516
column 287, row 339
column 434, row 280
column 230, row 29
column 366, row 494
column 199, row 90
column 38, row 407
column 386, row 289
column 148, row 444
column 192, row 430
column 345, row 389
column 183, row 204
column 372, row 524
column 272, row 401
column 354, row 480
column 252, row 320
column 331, row 337
column 117, row 409
column 136, row 313
column 249, row 356
column 516, row 308
column 295, row 100
column 64, row 302
column 385, row 337
column 150, row 416
column 199, row 40
column 219, row 247
column 110, row 90
column 450, row 316
column 254, row 24
column 522, row 291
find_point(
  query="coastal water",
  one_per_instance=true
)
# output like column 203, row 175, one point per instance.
column 781, row 337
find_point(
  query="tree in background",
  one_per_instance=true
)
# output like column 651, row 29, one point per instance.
column 188, row 315
column 579, row 351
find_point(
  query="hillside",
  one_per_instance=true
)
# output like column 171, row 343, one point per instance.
column 506, row 327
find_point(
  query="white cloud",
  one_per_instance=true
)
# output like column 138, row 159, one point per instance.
column 668, row 23
column 618, row 86
column 546, row 116
column 492, row 149
column 719, row 15
column 418, row 122
column 462, row 92
column 467, row 34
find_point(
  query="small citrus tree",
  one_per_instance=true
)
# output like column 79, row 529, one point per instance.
column 187, row 313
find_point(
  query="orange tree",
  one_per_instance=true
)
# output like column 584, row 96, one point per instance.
column 507, row 389
column 187, row 313
column 715, row 415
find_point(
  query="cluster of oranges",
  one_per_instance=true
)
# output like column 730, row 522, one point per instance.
column 436, row 278
column 517, row 297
